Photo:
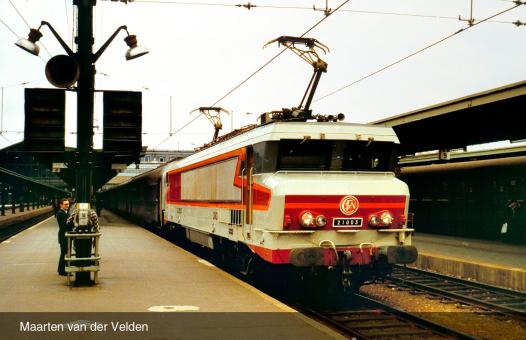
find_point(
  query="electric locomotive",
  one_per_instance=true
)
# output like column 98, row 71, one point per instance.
column 300, row 191
column 306, row 194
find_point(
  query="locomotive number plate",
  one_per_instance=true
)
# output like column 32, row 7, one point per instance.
column 347, row 222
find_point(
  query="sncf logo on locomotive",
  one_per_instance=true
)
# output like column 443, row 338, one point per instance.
column 349, row 205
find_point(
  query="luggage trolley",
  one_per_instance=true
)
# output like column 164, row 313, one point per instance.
column 72, row 259
column 83, row 243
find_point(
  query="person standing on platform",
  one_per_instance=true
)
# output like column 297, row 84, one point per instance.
column 99, row 204
column 515, row 227
column 63, row 227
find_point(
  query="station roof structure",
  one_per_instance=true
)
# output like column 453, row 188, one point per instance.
column 484, row 117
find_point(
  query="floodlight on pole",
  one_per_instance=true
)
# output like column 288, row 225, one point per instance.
column 78, row 68
column 131, row 40
column 29, row 44
column 134, row 51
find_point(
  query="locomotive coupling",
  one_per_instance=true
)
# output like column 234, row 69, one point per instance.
column 399, row 254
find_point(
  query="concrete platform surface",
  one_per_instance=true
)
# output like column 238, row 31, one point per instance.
column 140, row 272
column 492, row 262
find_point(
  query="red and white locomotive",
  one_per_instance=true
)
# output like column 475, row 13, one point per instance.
column 307, row 194
column 298, row 191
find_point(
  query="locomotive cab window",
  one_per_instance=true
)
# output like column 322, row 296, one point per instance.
column 324, row 155
column 304, row 154
column 368, row 156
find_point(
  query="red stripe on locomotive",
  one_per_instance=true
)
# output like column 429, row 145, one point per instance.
column 362, row 256
column 329, row 206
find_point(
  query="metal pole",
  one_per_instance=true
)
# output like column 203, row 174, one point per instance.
column 85, row 99
column 4, row 194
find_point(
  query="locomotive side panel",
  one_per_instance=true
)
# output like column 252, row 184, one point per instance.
column 208, row 196
column 211, row 183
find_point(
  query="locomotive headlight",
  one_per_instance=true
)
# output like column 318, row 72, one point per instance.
column 386, row 218
column 321, row 221
column 306, row 219
column 374, row 221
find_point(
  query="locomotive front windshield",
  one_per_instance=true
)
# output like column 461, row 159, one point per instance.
column 324, row 155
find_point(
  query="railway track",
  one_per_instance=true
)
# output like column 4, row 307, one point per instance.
column 364, row 319
column 15, row 228
column 370, row 319
column 486, row 297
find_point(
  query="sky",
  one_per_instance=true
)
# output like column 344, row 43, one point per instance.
column 200, row 50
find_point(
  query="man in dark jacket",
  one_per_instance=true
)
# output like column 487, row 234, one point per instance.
column 63, row 227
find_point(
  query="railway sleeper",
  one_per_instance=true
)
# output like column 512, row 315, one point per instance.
column 395, row 333
column 363, row 318
column 385, row 325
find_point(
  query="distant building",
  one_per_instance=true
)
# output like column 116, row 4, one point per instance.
column 150, row 160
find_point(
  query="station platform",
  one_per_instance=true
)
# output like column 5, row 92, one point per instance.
column 492, row 262
column 141, row 274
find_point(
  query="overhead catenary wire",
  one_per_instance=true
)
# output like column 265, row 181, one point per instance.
column 250, row 6
column 415, row 53
column 20, row 14
column 252, row 75
column 9, row 28
column 7, row 139
column 186, row 3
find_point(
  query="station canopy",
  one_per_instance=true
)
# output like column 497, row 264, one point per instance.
column 484, row 117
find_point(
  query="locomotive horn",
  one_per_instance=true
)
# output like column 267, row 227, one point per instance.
column 62, row 71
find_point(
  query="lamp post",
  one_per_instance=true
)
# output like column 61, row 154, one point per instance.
column 63, row 71
column 82, row 64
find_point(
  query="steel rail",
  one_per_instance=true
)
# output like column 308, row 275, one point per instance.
column 497, row 299
column 373, row 320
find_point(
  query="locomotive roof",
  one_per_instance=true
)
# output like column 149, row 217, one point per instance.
column 296, row 130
